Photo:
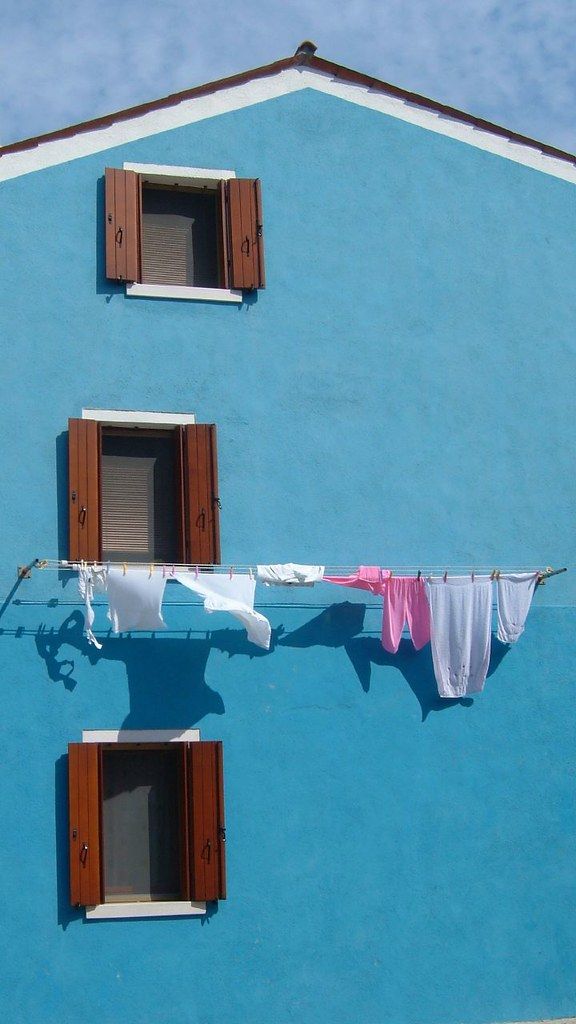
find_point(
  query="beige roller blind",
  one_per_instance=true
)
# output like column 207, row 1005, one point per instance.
column 138, row 497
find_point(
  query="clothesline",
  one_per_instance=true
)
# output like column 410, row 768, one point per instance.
column 169, row 567
column 453, row 613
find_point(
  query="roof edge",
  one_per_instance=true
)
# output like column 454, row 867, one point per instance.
column 337, row 71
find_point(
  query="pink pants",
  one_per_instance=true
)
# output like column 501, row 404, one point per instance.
column 405, row 600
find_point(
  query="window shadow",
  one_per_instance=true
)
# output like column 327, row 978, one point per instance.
column 65, row 912
column 62, row 494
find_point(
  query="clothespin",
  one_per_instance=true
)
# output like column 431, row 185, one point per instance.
column 151, row 570
column 163, row 572
column 124, row 568
column 492, row 574
column 173, row 571
column 231, row 571
column 472, row 575
column 419, row 574
column 250, row 572
column 445, row 577
column 197, row 573
column 497, row 574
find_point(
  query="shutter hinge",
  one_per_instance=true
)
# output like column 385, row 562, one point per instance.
column 217, row 501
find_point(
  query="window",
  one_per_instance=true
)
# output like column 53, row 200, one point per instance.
column 183, row 232
column 147, row 830
column 143, row 492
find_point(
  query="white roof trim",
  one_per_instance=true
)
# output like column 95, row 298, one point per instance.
column 280, row 83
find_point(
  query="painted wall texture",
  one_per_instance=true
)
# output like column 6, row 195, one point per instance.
column 402, row 391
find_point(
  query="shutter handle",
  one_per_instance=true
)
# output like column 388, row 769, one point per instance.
column 83, row 853
column 245, row 247
column 82, row 515
column 119, row 236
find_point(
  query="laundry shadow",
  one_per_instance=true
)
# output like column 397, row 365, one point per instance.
column 339, row 626
column 166, row 676
column 415, row 666
column 333, row 627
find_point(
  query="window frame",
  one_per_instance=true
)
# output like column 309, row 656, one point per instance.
column 160, row 174
column 197, row 522
column 143, row 909
column 239, row 217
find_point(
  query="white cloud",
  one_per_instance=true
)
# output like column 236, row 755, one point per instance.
column 509, row 62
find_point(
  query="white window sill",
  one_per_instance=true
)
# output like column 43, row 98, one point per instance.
column 171, row 908
column 175, row 291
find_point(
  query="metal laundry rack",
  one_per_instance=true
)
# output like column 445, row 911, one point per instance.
column 169, row 569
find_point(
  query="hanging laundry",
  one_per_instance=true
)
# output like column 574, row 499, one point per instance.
column 366, row 577
column 135, row 599
column 460, row 625
column 515, row 593
column 405, row 601
column 230, row 594
column 91, row 579
column 290, row 574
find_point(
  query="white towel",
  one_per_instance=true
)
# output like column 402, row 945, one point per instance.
column 135, row 599
column 460, row 628
column 515, row 593
column 290, row 574
column 236, row 595
column 91, row 580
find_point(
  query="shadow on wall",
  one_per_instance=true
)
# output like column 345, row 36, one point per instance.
column 62, row 492
column 165, row 678
column 180, row 664
column 339, row 625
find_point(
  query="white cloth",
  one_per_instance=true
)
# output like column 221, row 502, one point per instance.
column 236, row 595
column 515, row 593
column 290, row 575
column 460, row 627
column 91, row 580
column 135, row 599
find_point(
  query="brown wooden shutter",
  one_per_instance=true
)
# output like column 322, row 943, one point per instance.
column 84, row 814
column 123, row 220
column 201, row 501
column 207, row 833
column 84, row 490
column 244, row 227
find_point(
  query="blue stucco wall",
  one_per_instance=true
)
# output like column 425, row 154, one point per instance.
column 402, row 392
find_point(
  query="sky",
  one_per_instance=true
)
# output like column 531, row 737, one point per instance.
column 511, row 62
